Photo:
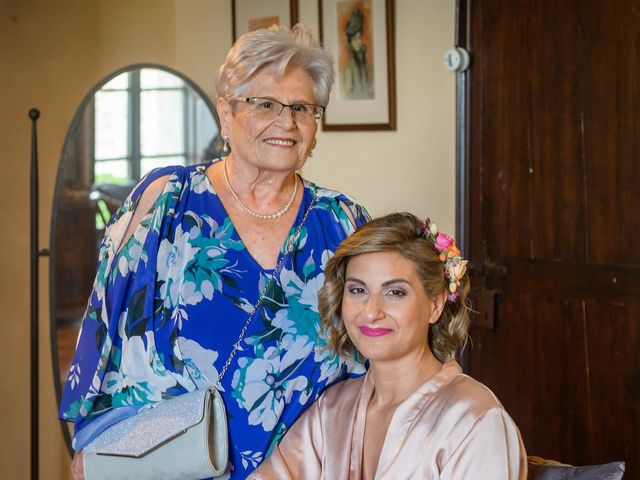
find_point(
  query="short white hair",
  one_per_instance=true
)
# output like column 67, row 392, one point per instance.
column 276, row 48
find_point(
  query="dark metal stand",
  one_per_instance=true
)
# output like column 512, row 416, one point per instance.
column 34, row 114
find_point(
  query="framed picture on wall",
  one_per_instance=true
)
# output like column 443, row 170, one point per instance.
column 360, row 35
column 248, row 15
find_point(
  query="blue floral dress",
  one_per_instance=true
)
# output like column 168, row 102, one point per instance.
column 167, row 307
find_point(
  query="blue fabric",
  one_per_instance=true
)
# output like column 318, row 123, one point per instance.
column 167, row 307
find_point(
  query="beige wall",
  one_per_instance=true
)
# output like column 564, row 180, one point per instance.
column 51, row 53
column 412, row 168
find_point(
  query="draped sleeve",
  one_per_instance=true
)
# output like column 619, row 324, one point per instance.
column 493, row 446
column 347, row 212
column 117, row 362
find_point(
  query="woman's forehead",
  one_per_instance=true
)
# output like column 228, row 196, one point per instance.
column 380, row 265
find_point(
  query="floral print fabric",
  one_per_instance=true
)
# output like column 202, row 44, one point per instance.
column 168, row 306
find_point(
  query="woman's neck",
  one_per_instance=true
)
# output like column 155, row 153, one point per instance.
column 258, row 184
column 395, row 380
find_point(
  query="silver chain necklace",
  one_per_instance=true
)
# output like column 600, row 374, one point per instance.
column 289, row 247
column 262, row 216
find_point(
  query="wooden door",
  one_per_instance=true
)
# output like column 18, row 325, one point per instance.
column 551, row 219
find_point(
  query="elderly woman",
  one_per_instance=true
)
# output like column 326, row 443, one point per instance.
column 193, row 249
column 395, row 293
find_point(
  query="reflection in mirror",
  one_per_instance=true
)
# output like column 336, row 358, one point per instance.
column 137, row 119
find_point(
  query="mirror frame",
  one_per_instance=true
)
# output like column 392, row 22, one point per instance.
column 77, row 118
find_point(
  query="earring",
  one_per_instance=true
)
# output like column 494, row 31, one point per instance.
column 310, row 153
column 225, row 147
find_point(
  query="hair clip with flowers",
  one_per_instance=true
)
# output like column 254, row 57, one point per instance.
column 455, row 265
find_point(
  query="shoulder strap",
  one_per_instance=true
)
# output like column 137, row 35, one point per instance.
column 287, row 249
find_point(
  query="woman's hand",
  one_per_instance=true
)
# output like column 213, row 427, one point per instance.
column 77, row 466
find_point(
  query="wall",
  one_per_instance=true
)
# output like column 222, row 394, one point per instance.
column 52, row 53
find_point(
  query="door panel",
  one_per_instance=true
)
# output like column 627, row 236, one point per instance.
column 552, row 220
column 540, row 381
column 613, row 337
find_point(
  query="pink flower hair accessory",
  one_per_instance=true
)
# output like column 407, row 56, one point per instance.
column 454, row 265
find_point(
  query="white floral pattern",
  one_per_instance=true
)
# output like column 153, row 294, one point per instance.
column 200, row 362
column 262, row 385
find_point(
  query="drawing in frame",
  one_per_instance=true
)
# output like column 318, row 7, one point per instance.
column 360, row 36
column 250, row 15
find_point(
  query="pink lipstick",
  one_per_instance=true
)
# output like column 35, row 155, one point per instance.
column 373, row 332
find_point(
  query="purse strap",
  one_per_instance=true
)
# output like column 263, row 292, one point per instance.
column 288, row 248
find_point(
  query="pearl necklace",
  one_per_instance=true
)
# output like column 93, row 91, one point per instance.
column 261, row 216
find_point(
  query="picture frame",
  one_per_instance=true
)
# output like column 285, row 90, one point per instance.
column 360, row 36
column 247, row 15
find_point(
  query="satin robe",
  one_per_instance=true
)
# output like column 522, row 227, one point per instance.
column 452, row 427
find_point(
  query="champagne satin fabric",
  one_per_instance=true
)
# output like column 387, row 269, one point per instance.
column 452, row 427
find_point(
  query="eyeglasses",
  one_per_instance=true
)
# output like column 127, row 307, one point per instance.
column 269, row 109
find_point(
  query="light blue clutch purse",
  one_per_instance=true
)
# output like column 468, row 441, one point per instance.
column 183, row 437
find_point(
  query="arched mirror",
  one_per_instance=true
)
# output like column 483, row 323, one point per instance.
column 136, row 119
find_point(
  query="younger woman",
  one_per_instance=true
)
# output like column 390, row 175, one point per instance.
column 395, row 293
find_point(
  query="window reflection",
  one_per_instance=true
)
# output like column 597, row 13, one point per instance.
column 111, row 125
column 145, row 119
